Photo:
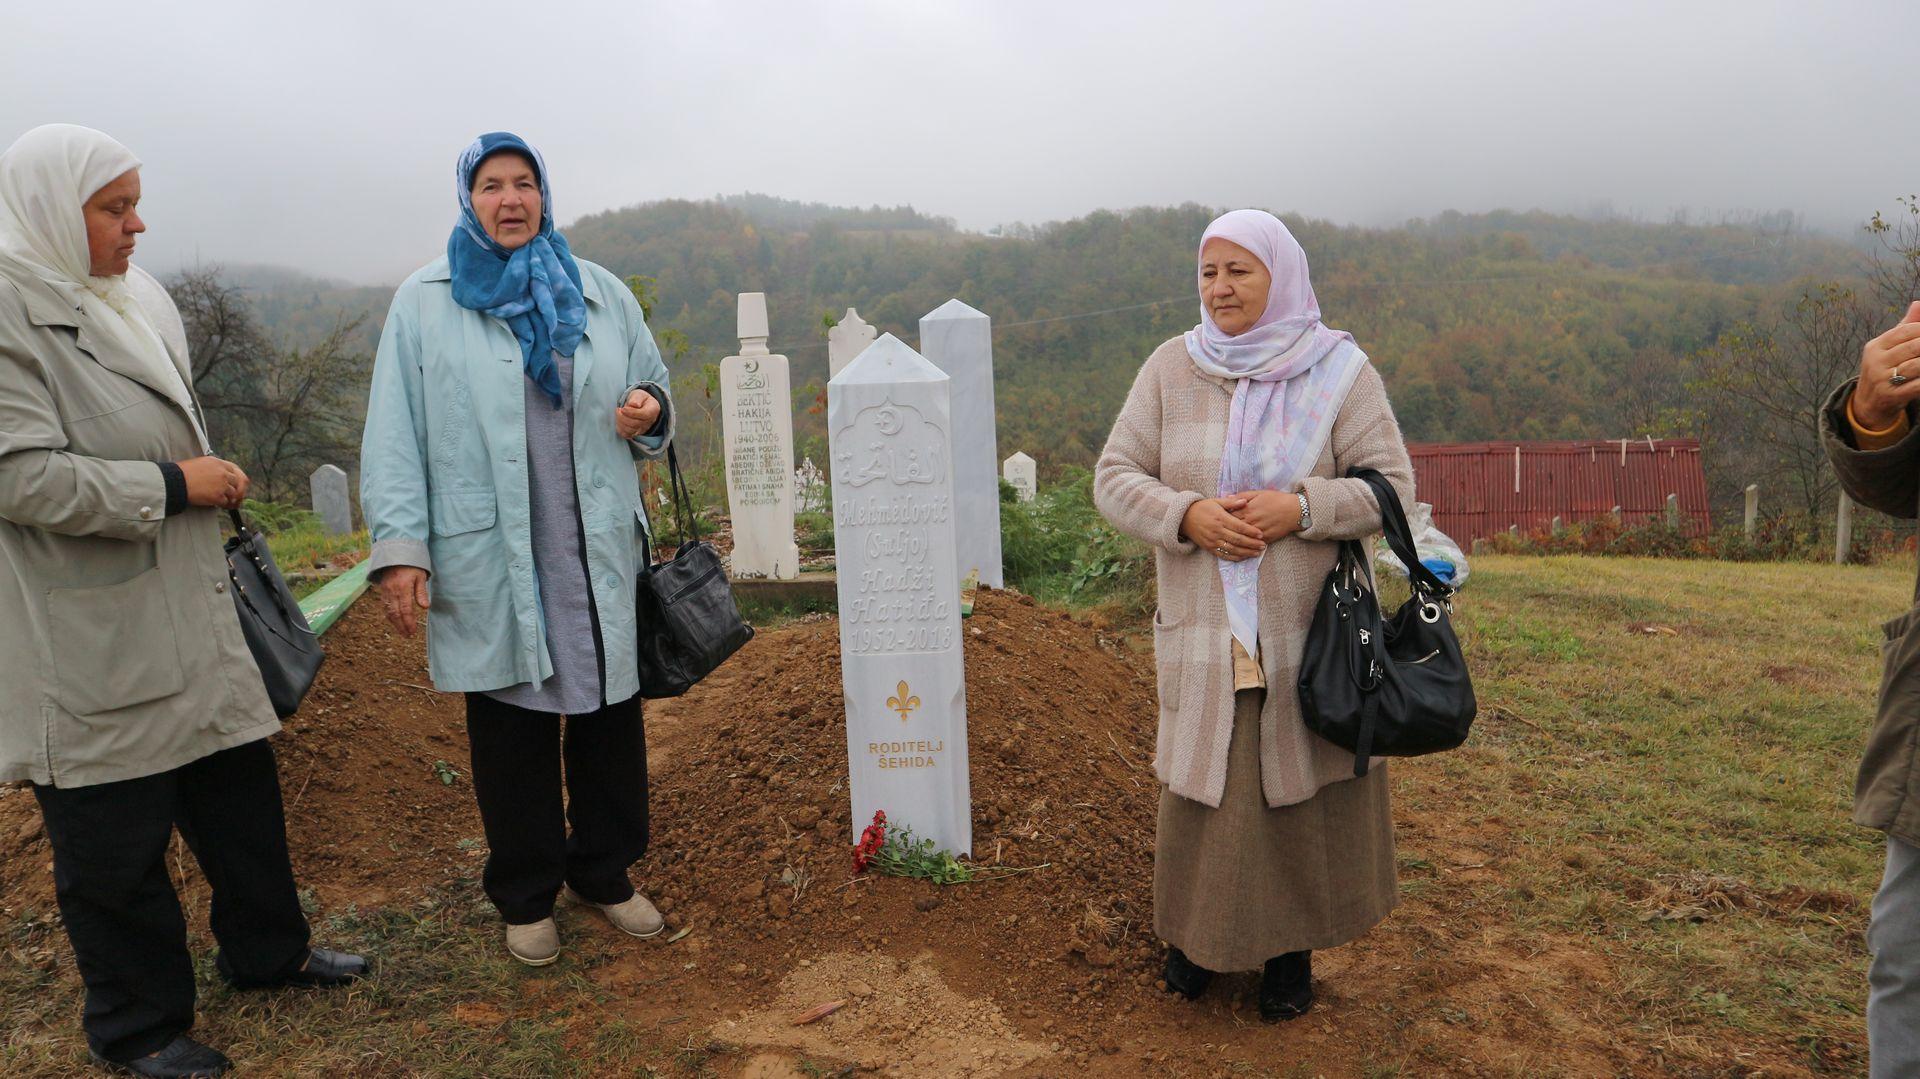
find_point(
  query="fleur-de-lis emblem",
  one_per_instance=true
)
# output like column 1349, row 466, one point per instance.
column 903, row 702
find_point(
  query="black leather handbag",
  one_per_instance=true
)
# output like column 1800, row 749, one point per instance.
column 1386, row 687
column 687, row 622
column 284, row 647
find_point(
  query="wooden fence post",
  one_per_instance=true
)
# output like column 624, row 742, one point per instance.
column 1843, row 531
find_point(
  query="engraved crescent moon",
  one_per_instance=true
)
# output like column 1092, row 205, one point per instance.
column 888, row 421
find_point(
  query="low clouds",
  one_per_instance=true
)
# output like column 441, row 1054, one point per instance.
column 324, row 138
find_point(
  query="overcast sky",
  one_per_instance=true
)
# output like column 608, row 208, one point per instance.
column 322, row 136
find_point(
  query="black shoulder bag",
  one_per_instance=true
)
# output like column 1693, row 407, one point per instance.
column 687, row 621
column 284, row 646
column 1387, row 687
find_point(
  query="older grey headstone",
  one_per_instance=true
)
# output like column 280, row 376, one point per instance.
column 330, row 501
column 959, row 340
column 1023, row 473
column 1753, row 509
column 889, row 428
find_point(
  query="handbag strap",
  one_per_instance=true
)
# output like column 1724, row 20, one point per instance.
column 1363, row 743
column 682, row 500
column 1393, row 522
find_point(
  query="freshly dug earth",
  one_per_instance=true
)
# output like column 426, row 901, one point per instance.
column 364, row 771
column 1052, row 971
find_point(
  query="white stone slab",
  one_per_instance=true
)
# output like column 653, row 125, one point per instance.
column 756, row 424
column 888, row 428
column 1023, row 473
column 959, row 340
column 847, row 339
column 329, row 489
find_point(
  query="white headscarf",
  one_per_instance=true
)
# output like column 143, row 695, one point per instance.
column 46, row 177
column 1292, row 375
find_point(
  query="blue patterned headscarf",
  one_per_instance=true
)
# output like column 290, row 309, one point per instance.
column 534, row 288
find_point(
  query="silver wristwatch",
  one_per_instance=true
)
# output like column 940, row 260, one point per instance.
column 1306, row 517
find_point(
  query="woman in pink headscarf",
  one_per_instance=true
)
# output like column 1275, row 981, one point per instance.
column 1226, row 458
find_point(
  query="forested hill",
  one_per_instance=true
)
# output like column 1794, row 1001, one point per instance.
column 1503, row 325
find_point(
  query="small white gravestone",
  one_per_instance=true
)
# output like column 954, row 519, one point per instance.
column 756, row 422
column 1024, row 474
column 849, row 338
column 889, row 427
column 959, row 340
column 330, row 501
column 809, row 488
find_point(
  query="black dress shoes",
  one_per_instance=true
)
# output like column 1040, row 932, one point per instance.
column 1184, row 977
column 182, row 1058
column 325, row 969
column 1286, row 987
column 322, row 970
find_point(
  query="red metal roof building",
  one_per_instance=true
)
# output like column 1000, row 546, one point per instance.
column 1480, row 488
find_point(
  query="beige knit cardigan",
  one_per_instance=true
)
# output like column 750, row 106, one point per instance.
column 1162, row 457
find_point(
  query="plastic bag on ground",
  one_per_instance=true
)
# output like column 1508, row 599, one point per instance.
column 1436, row 549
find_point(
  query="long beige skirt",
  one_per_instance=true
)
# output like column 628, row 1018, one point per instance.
column 1238, row 885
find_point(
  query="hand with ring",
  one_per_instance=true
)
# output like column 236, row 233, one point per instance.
column 214, row 482
column 1889, row 374
column 1210, row 524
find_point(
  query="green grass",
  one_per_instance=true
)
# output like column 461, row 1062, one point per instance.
column 1630, row 769
column 304, row 555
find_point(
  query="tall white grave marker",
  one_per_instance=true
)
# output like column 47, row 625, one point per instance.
column 889, row 427
column 849, row 338
column 756, row 422
column 1023, row 473
column 959, row 340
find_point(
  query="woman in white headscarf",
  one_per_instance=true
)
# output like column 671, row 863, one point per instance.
column 130, row 700
column 1226, row 458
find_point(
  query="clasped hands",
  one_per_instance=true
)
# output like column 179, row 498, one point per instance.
column 1240, row 526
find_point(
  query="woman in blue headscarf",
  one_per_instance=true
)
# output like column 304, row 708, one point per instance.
column 514, row 389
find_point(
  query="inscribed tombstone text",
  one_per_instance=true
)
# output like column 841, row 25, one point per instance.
column 888, row 421
column 757, row 429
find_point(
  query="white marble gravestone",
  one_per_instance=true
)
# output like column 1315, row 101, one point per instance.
column 849, row 338
column 959, row 340
column 756, row 422
column 1024, row 474
column 888, row 426
column 329, row 489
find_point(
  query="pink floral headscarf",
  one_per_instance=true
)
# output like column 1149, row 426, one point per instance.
column 1292, row 374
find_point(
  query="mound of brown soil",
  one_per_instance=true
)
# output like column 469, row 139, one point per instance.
column 372, row 772
column 753, row 816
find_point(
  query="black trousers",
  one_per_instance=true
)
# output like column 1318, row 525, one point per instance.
column 122, row 915
column 516, row 759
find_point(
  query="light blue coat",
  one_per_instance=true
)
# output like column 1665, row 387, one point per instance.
column 443, row 476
